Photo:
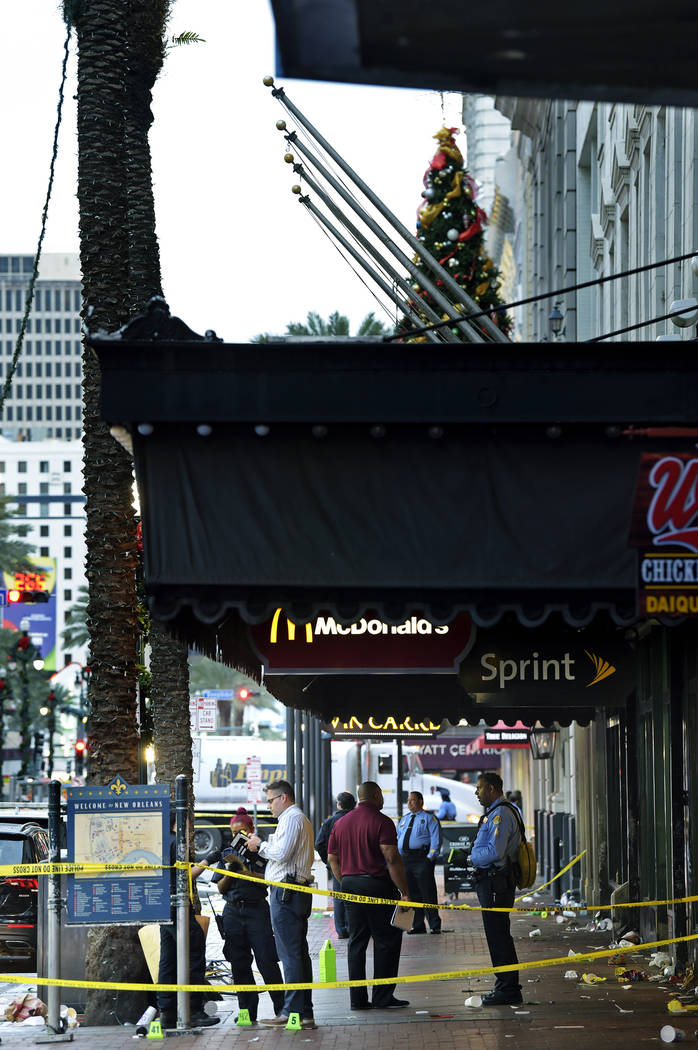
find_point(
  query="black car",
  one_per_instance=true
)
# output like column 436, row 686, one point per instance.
column 20, row 844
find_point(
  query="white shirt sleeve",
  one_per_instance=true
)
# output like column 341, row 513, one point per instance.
column 283, row 843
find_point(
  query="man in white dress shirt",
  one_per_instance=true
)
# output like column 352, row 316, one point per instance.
column 289, row 853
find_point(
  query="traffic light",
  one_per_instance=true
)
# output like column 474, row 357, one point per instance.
column 26, row 597
column 80, row 749
column 244, row 693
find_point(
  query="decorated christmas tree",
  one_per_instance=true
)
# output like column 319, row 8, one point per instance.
column 451, row 226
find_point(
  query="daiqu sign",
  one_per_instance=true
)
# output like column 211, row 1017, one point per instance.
column 665, row 529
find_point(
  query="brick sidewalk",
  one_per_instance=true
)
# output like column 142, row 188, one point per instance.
column 557, row 1014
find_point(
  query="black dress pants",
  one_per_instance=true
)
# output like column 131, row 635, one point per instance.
column 247, row 929
column 368, row 921
column 422, row 887
column 499, row 892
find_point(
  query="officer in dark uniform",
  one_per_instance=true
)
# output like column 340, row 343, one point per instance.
column 494, row 851
column 247, row 927
column 418, row 840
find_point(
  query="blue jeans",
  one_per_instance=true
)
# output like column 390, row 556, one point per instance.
column 289, row 920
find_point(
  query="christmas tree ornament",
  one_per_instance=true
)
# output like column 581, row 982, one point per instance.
column 429, row 193
column 281, row 125
column 295, row 188
column 288, row 157
column 268, row 81
column 452, row 234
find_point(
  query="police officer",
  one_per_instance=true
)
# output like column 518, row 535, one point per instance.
column 247, row 926
column 494, row 850
column 418, row 840
column 447, row 809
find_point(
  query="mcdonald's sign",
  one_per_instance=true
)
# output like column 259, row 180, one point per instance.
column 368, row 645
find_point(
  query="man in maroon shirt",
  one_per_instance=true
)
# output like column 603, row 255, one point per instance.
column 364, row 858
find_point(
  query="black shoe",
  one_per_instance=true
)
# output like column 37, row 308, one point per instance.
column 394, row 1004
column 435, row 931
column 202, row 1020
column 496, row 998
column 168, row 1020
column 410, row 932
column 362, row 1006
column 342, row 936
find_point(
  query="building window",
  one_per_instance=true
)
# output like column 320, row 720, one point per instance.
column 68, row 574
column 67, row 552
column 67, row 530
column 67, row 510
column 22, row 466
column 67, row 488
column 44, row 511
column 67, row 596
column 22, row 510
column 43, row 530
column 43, row 551
column 43, row 466
column 43, row 488
column 22, row 488
column 67, row 466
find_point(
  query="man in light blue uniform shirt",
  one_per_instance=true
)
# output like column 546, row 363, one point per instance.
column 447, row 809
column 494, row 851
column 418, row 840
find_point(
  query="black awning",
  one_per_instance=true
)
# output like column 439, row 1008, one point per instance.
column 476, row 521
column 435, row 697
column 604, row 49
column 397, row 479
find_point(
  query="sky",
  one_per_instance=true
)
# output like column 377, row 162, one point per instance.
column 239, row 254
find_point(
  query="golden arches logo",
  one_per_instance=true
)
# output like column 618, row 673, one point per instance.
column 602, row 667
column 290, row 630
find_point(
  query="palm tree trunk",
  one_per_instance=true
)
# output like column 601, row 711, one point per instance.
column 113, row 952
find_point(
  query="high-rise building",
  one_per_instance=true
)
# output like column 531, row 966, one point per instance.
column 46, row 396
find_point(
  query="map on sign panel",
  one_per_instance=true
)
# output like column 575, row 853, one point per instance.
column 119, row 839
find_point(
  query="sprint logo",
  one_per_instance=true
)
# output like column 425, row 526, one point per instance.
column 602, row 668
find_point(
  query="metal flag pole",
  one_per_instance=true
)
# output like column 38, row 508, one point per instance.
column 471, row 333
column 424, row 254
column 386, row 266
column 375, row 276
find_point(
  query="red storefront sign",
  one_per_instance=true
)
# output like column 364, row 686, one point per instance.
column 326, row 646
column 665, row 529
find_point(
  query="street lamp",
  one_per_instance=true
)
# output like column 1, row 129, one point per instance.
column 556, row 320
column 542, row 741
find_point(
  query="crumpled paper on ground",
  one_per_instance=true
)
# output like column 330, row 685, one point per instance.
column 25, row 1006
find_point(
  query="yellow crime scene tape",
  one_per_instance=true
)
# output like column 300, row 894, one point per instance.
column 70, row 867
column 447, row 975
column 89, row 868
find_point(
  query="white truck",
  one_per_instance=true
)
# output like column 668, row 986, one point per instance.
column 220, row 780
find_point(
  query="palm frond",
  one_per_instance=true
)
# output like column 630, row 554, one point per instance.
column 180, row 39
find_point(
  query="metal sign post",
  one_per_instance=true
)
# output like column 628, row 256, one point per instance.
column 55, row 1025
column 182, row 901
